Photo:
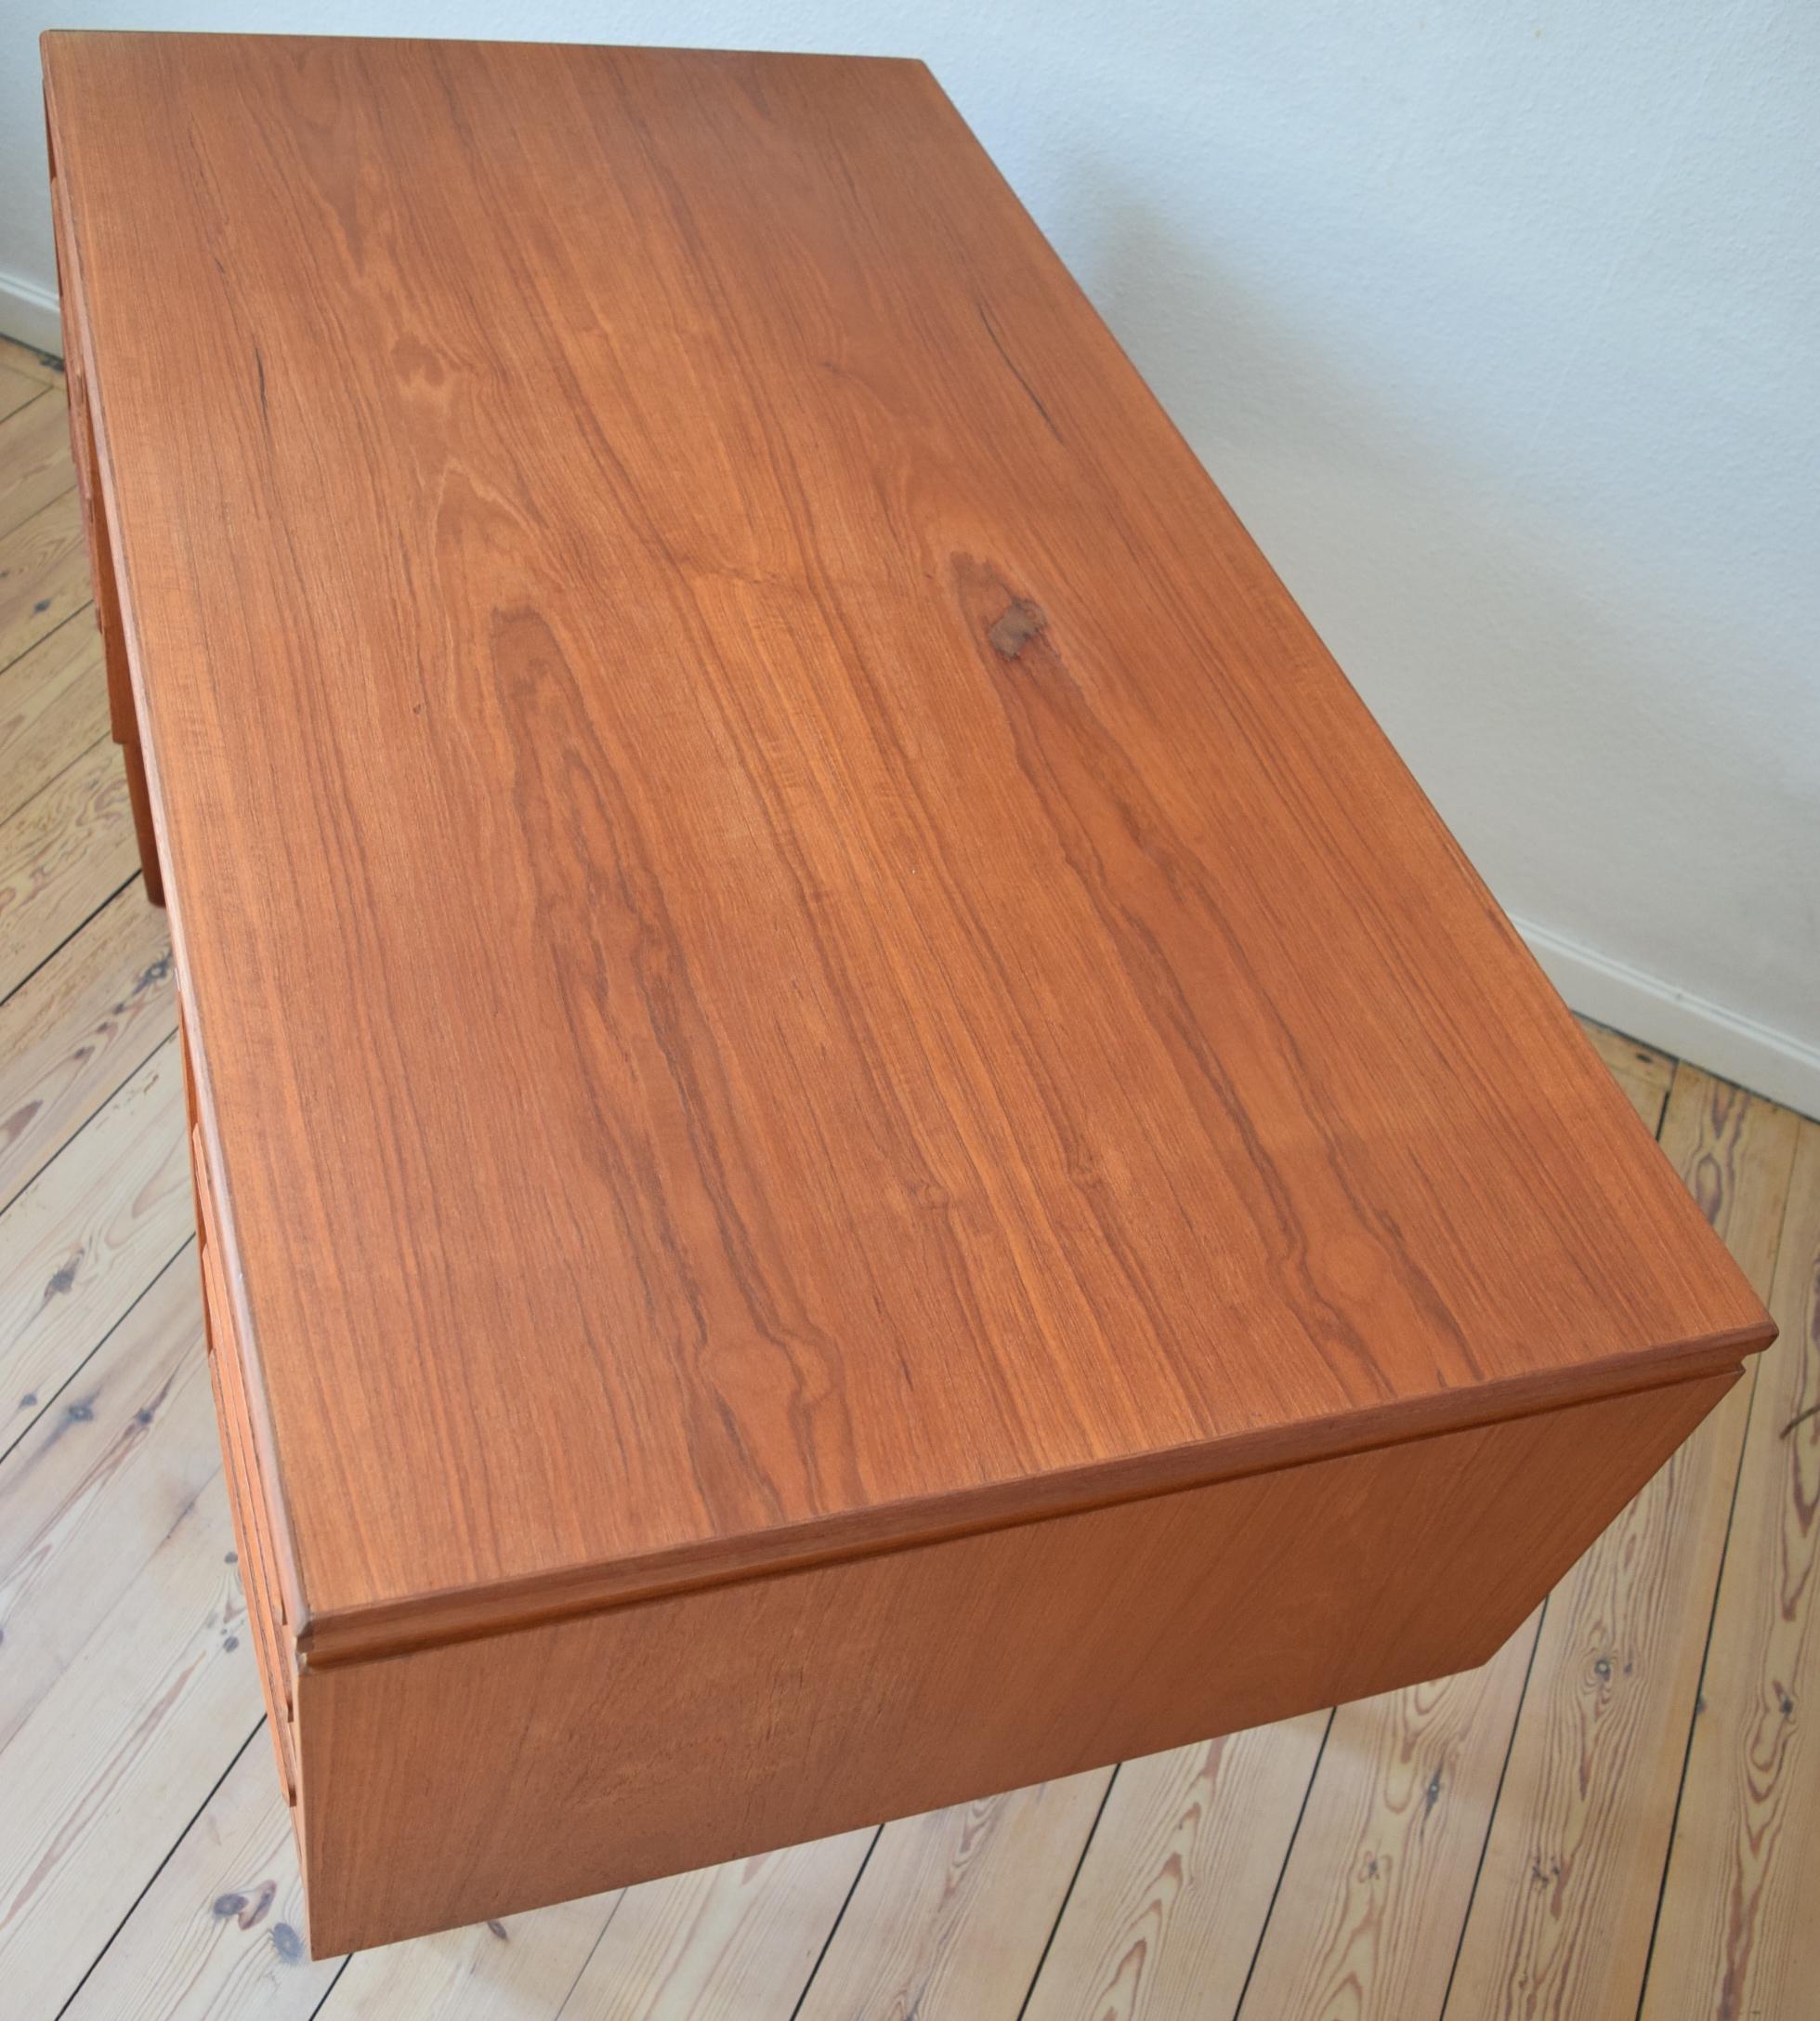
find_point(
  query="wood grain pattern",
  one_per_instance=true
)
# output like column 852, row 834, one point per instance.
column 954, row 1909
column 101, row 1776
column 766, row 1712
column 35, row 366
column 85, row 1496
column 1737, row 1934
column 949, row 1008
column 44, row 576
column 86, row 1237
column 510, row 1968
column 98, row 1779
column 87, row 1503
column 1366, row 1921
column 15, row 389
column 1561, row 1921
column 1164, row 1919
column 53, row 707
column 738, row 1940
column 78, row 1029
column 34, row 465
column 215, row 1937
column 62, row 856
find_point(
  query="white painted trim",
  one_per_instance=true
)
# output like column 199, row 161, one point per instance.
column 29, row 313
column 1712, row 1035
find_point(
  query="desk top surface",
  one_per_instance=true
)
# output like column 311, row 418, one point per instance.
column 793, row 941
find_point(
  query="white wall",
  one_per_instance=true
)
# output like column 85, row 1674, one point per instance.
column 1499, row 325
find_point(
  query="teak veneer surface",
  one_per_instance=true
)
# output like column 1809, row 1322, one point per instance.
column 792, row 942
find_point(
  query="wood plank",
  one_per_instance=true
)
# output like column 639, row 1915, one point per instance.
column 35, row 458
column 74, row 1032
column 15, row 389
column 1644, row 1073
column 53, row 707
column 1166, row 1914
column 1369, row 1916
column 953, row 1909
column 62, row 856
column 1052, row 1047
column 1561, row 1917
column 216, row 1936
column 85, row 1238
column 88, row 1494
column 38, row 366
column 103, row 1774
column 105, row 1520
column 514, row 1968
column 1737, row 1935
column 44, row 576
column 729, row 1942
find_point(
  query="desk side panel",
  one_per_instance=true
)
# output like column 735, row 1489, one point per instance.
column 499, row 1774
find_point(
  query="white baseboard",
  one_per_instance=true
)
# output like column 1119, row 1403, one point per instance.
column 29, row 314
column 1723, row 1041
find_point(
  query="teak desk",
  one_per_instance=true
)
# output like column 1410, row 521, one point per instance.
column 856, row 1140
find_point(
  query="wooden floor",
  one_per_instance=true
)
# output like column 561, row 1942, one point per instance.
column 1617, row 1816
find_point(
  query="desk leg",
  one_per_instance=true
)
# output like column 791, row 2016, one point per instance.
column 122, row 713
column 134, row 759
